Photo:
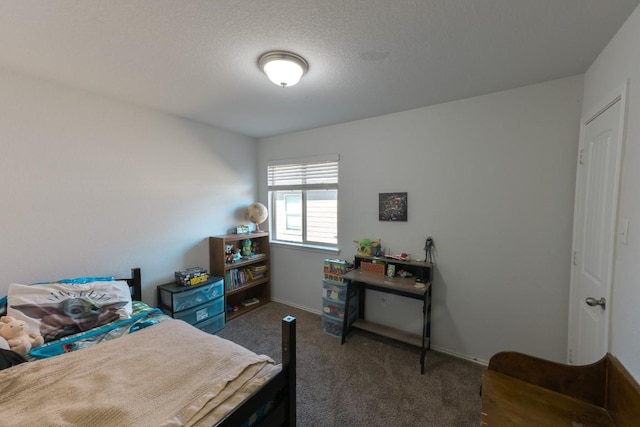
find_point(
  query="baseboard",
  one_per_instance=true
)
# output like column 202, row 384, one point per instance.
column 296, row 306
column 460, row 356
column 433, row 347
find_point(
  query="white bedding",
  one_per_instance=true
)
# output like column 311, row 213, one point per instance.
column 168, row 374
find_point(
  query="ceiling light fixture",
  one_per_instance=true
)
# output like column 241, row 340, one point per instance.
column 283, row 68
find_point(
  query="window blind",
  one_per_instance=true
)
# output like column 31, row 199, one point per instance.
column 303, row 176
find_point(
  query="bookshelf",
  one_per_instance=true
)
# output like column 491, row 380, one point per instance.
column 246, row 276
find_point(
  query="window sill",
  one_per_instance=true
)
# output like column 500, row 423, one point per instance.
column 305, row 247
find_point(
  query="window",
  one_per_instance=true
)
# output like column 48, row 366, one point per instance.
column 303, row 198
column 293, row 211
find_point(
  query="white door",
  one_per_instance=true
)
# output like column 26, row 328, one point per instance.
column 594, row 232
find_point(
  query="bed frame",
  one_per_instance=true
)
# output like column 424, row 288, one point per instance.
column 135, row 284
column 279, row 391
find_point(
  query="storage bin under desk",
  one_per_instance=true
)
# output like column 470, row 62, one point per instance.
column 334, row 291
column 334, row 326
column 337, row 308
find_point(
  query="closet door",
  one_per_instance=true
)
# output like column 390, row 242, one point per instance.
column 594, row 232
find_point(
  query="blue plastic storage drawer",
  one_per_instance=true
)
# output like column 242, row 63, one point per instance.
column 201, row 312
column 336, row 308
column 212, row 325
column 333, row 326
column 334, row 291
column 181, row 298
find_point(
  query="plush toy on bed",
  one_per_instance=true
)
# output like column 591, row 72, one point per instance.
column 18, row 336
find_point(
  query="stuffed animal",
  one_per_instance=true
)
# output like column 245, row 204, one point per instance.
column 17, row 334
column 364, row 246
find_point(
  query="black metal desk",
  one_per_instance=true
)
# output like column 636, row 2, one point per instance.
column 406, row 287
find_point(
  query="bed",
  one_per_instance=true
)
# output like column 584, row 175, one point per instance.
column 148, row 370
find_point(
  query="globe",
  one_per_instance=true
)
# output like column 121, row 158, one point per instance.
column 257, row 213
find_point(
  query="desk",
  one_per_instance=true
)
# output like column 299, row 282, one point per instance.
column 405, row 287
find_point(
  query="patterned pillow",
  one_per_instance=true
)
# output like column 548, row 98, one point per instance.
column 57, row 310
column 77, row 280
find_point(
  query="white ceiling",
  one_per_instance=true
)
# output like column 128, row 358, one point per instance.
column 198, row 59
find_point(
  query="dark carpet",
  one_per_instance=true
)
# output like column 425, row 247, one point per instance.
column 368, row 381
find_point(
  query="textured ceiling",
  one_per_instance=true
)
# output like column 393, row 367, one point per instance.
column 198, row 59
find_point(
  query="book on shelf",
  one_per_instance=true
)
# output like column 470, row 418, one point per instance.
column 250, row 301
column 253, row 275
column 237, row 277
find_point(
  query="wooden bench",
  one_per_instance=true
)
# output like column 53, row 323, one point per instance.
column 521, row 390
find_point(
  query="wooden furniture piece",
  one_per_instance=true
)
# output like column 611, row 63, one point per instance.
column 239, row 286
column 418, row 286
column 522, row 390
column 200, row 305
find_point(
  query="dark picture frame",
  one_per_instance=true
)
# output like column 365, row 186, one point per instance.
column 392, row 206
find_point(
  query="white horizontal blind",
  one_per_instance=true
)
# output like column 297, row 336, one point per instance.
column 303, row 176
column 303, row 199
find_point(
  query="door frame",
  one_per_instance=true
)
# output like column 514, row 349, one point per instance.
column 617, row 95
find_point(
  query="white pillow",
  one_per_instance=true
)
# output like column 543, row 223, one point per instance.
column 60, row 309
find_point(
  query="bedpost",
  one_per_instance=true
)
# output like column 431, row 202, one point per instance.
column 136, row 277
column 289, row 364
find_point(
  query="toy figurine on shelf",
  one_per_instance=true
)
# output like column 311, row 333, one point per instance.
column 404, row 273
column 376, row 248
column 246, row 247
column 228, row 254
column 429, row 249
column 391, row 270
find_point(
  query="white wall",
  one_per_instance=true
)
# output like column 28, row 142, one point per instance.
column 491, row 179
column 617, row 63
column 93, row 186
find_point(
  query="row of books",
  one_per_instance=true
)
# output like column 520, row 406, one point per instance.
column 239, row 276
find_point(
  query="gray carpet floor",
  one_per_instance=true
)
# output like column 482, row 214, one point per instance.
column 368, row 381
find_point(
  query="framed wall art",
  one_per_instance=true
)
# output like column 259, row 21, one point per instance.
column 392, row 206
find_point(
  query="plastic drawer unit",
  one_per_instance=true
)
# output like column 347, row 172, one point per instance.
column 201, row 305
column 336, row 308
column 332, row 291
column 333, row 326
column 213, row 324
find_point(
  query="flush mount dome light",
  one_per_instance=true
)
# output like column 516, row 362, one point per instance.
column 283, row 68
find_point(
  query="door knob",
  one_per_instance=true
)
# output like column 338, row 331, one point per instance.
column 593, row 302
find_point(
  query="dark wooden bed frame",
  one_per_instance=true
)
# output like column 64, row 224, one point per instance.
column 279, row 391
